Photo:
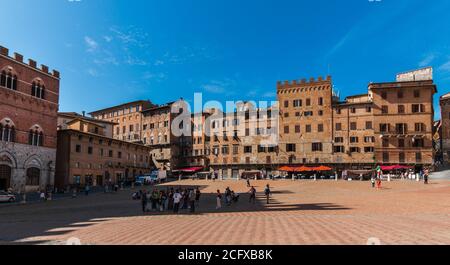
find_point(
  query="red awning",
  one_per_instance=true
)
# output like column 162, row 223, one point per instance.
column 189, row 169
column 286, row 168
column 322, row 168
column 396, row 167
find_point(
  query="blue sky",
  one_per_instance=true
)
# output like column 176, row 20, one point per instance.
column 110, row 52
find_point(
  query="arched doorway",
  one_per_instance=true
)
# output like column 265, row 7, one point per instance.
column 5, row 177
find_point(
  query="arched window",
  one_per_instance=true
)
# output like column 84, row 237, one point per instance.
column 33, row 176
column 8, row 79
column 3, row 79
column 37, row 90
column 36, row 136
column 7, row 131
column 14, row 83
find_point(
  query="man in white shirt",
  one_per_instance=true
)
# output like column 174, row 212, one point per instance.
column 176, row 201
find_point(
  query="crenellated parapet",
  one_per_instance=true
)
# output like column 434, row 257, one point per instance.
column 304, row 84
column 31, row 63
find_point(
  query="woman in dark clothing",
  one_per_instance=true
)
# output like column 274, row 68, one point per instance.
column 197, row 196
column 144, row 201
column 170, row 204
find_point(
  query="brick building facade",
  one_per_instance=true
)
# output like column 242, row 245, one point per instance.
column 145, row 123
column 29, row 98
column 445, row 127
column 87, row 156
column 390, row 124
column 128, row 119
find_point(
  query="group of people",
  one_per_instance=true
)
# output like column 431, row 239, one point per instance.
column 231, row 197
column 169, row 199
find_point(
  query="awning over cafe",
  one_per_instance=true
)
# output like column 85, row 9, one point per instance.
column 396, row 167
column 304, row 168
column 189, row 169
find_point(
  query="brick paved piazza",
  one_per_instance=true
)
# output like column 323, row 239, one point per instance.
column 304, row 212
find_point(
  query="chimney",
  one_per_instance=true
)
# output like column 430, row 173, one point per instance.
column 32, row 63
column 18, row 57
column 4, row 51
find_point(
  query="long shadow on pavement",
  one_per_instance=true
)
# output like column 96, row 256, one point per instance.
column 57, row 218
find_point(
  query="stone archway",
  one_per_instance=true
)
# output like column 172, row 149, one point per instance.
column 34, row 174
column 7, row 166
column 5, row 177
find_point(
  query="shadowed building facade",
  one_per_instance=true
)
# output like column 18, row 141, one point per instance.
column 445, row 127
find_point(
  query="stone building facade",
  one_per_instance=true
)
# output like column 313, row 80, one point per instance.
column 391, row 124
column 86, row 156
column 151, row 125
column 128, row 119
column 29, row 98
column 306, row 125
column 353, row 133
column 403, row 121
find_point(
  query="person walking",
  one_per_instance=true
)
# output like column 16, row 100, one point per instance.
column 86, row 190
column 162, row 201
column 218, row 200
column 252, row 195
column 192, row 200
column 267, row 192
column 228, row 196
column 176, row 201
column 42, row 195
column 155, row 200
column 378, row 183
column 197, row 196
column 373, row 181
column 248, row 183
column 426, row 175
column 144, row 201
column 186, row 199
column 170, row 204
column 74, row 193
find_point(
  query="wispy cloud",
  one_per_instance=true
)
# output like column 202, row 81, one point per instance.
column 91, row 44
column 427, row 60
column 150, row 76
column 219, row 86
column 134, row 60
column 131, row 36
column 158, row 62
column 445, row 67
column 269, row 94
column 108, row 38
column 214, row 88
column 92, row 72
